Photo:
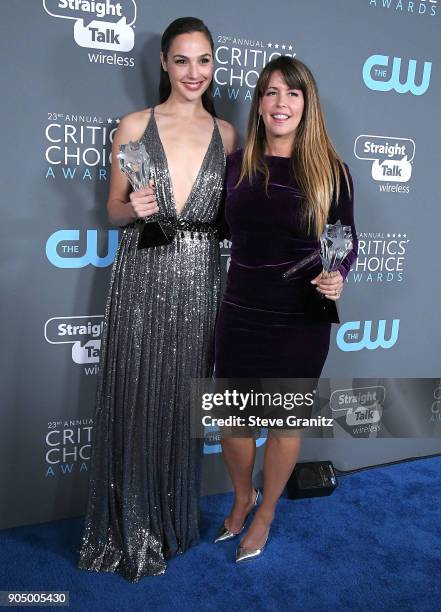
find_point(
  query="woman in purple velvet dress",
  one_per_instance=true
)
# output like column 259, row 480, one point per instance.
column 282, row 189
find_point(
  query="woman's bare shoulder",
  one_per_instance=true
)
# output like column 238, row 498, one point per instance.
column 134, row 124
column 228, row 134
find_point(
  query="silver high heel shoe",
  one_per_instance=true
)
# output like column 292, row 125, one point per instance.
column 245, row 554
column 225, row 534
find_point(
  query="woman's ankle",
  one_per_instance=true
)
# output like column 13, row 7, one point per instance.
column 265, row 515
column 244, row 499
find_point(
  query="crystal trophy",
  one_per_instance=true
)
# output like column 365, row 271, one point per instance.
column 335, row 244
column 134, row 161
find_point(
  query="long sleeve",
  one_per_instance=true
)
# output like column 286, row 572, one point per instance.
column 343, row 210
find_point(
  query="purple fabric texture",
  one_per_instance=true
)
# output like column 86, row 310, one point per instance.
column 263, row 327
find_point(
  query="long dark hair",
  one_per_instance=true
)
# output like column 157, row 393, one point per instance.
column 314, row 161
column 184, row 25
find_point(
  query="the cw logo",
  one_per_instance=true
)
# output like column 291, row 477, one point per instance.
column 65, row 255
column 348, row 336
column 210, row 446
column 374, row 73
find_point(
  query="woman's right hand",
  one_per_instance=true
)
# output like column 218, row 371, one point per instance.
column 142, row 203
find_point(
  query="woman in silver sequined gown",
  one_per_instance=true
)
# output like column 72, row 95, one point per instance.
column 143, row 501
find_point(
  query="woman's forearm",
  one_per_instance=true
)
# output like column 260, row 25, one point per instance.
column 119, row 212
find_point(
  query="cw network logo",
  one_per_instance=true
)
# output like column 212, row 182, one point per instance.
column 350, row 338
column 212, row 445
column 63, row 250
column 378, row 75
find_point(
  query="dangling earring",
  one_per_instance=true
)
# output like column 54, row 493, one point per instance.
column 258, row 123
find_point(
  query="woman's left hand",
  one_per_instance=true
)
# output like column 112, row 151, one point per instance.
column 330, row 284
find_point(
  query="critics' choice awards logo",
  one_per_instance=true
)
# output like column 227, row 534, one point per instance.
column 84, row 336
column 238, row 63
column 421, row 8
column 381, row 73
column 391, row 160
column 105, row 26
column 381, row 258
column 65, row 248
column 358, row 335
column 435, row 409
column 68, row 446
column 78, row 147
column 360, row 407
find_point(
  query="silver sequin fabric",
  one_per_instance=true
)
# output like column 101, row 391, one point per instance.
column 143, row 502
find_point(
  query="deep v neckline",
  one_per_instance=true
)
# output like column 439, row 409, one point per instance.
column 198, row 176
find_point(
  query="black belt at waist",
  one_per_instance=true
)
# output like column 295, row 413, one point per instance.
column 162, row 230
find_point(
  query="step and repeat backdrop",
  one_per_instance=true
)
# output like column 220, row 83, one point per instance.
column 71, row 70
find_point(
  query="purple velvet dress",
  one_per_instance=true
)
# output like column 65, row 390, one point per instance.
column 264, row 329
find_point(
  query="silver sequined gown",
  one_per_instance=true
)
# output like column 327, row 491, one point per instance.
column 143, row 503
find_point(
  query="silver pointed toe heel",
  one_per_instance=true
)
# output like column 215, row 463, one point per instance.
column 225, row 534
column 245, row 554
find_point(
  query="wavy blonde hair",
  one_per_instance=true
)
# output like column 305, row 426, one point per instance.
column 314, row 161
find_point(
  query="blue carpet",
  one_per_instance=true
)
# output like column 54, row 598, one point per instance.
column 374, row 544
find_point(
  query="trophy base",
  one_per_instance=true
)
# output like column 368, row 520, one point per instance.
column 155, row 234
column 320, row 309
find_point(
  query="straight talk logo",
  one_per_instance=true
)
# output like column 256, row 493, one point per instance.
column 103, row 26
column 360, row 407
column 390, row 158
column 84, row 336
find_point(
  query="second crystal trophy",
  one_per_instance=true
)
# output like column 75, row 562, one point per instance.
column 335, row 244
column 134, row 161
